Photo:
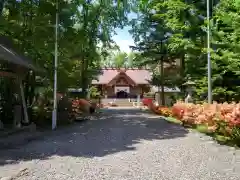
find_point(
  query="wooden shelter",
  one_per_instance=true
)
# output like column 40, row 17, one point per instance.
column 15, row 66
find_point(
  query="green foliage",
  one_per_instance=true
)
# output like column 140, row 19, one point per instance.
column 94, row 92
column 172, row 120
column 120, row 59
column 85, row 36
column 185, row 21
column 83, row 25
column 148, row 95
column 236, row 135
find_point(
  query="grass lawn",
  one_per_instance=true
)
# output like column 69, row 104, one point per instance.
column 172, row 120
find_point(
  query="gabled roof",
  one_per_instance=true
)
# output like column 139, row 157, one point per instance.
column 119, row 75
column 139, row 76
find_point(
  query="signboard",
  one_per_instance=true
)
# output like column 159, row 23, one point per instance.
column 74, row 90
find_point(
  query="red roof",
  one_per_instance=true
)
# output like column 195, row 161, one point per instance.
column 139, row 76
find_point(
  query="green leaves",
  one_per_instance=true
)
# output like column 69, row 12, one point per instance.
column 185, row 20
column 83, row 25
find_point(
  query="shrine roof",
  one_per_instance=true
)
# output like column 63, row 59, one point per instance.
column 139, row 76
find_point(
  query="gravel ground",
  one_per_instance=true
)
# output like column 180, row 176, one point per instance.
column 124, row 144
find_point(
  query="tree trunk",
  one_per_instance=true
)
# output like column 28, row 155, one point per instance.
column 182, row 73
column 162, row 83
column 83, row 79
column 32, row 94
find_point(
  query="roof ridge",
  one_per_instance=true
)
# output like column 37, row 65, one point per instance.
column 122, row 68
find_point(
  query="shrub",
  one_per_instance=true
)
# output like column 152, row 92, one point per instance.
column 165, row 111
column 65, row 110
column 235, row 135
column 147, row 101
column 178, row 110
column 82, row 106
column 42, row 112
column 94, row 92
column 153, row 107
column 223, row 119
column 196, row 113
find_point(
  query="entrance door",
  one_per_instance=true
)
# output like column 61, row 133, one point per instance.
column 122, row 94
column 122, row 91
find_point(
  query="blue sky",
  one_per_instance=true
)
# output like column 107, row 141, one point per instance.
column 123, row 37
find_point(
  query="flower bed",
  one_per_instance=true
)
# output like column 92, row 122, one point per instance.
column 160, row 110
column 147, row 101
column 219, row 120
column 82, row 106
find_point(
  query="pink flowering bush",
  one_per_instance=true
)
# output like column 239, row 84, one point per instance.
column 220, row 118
column 207, row 113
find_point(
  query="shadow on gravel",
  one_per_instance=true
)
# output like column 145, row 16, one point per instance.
column 114, row 131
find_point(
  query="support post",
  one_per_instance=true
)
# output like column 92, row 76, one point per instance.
column 54, row 112
column 138, row 100
column 209, row 56
column 26, row 120
column 17, row 116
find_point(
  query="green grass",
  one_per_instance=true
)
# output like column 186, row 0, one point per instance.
column 203, row 129
column 222, row 139
column 172, row 120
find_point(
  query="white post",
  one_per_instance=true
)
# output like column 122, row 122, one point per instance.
column 209, row 56
column 26, row 120
column 54, row 113
column 138, row 100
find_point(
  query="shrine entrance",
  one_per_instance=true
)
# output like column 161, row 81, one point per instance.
column 122, row 94
column 122, row 91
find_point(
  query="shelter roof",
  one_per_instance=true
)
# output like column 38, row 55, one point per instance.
column 7, row 53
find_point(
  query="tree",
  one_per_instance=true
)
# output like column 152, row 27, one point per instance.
column 83, row 25
column 120, row 59
column 151, row 39
column 96, row 30
column 185, row 20
column 225, row 54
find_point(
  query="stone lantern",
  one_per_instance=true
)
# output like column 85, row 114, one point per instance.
column 190, row 85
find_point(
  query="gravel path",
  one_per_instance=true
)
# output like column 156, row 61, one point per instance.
column 124, row 144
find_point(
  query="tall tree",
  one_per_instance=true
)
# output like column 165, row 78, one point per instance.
column 84, row 25
column 152, row 40
column 185, row 20
column 120, row 59
column 99, row 20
